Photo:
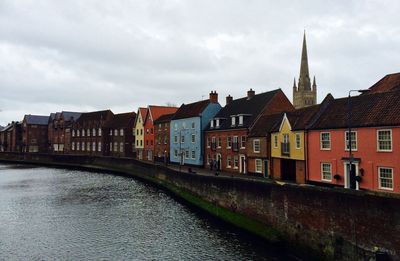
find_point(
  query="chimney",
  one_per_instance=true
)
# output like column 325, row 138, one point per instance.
column 229, row 99
column 213, row 97
column 250, row 94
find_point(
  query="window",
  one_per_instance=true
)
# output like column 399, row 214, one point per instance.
column 176, row 126
column 99, row 132
column 241, row 120
column 94, row 146
column 384, row 140
column 298, row 141
column 73, row 133
column 353, row 140
column 208, row 142
column 228, row 142
column 217, row 123
column 182, row 139
column 78, row 146
column 121, row 132
column 165, row 140
column 83, row 133
column 115, row 147
column 235, row 162
column 115, row 132
column 208, row 159
column 151, row 131
column 184, row 125
column 275, row 141
column 175, row 139
column 99, row 146
column 83, row 146
column 193, row 154
column 137, row 132
column 186, row 154
column 141, row 142
column 94, row 132
column 233, row 120
column 385, row 178
column 326, row 171
column 137, row 142
column 111, row 132
column 256, row 146
column 325, row 140
column 78, row 133
column 243, row 142
column 228, row 161
column 159, row 126
column 88, row 146
column 212, row 124
column 219, row 142
column 193, row 138
column 141, row 131
column 88, row 132
column 121, row 147
column 175, row 153
column 111, row 146
column 258, row 167
column 193, row 125
column 73, row 146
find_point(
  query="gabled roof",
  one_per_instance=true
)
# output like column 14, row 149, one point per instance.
column 191, row 110
column 367, row 110
column 156, row 111
column 70, row 115
column 143, row 112
column 164, row 118
column 250, row 108
column 36, row 119
column 388, row 83
column 299, row 119
column 121, row 120
column 266, row 124
column 94, row 116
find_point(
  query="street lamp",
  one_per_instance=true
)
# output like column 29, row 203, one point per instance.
column 351, row 158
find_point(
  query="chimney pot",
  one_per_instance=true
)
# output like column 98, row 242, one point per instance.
column 229, row 99
column 250, row 93
column 213, row 97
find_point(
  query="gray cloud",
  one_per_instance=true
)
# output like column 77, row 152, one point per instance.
column 88, row 55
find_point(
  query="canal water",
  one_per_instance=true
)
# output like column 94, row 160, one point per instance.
column 57, row 214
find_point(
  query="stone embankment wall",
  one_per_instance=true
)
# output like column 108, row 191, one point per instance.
column 319, row 222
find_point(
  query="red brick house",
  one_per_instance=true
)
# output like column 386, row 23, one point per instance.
column 374, row 161
column 226, row 135
column 121, row 135
column 153, row 113
column 88, row 135
column 35, row 133
column 162, row 139
column 59, row 131
column 11, row 137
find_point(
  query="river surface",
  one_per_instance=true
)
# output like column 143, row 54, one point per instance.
column 57, row 214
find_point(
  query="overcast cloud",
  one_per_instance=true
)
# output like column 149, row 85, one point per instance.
column 89, row 55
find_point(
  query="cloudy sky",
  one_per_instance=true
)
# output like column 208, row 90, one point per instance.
column 84, row 55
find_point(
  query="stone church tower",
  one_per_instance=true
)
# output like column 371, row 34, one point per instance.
column 304, row 94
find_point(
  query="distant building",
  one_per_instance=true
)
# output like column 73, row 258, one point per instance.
column 304, row 94
column 35, row 133
column 121, row 135
column 11, row 137
column 226, row 134
column 187, row 126
column 59, row 131
column 88, row 136
column 153, row 113
column 162, row 139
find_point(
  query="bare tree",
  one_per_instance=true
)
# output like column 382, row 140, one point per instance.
column 171, row 104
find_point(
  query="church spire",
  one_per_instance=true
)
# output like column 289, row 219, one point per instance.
column 314, row 84
column 294, row 84
column 304, row 79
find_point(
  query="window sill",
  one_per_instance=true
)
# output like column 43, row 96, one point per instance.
column 384, row 151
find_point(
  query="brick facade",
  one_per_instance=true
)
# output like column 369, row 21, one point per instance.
column 35, row 134
column 121, row 135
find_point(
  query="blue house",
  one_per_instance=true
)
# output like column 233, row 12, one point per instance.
column 186, row 130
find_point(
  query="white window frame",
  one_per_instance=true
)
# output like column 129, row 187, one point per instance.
column 242, row 140
column 175, row 138
column 99, row 132
column 320, row 140
column 322, row 171
column 121, row 132
column 186, row 154
column 217, row 123
column 229, row 142
column 379, row 178
column 193, row 125
column 233, row 120
column 235, row 161
column 193, row 154
column 121, row 147
column 208, row 142
column 355, row 140
column 254, row 145
column 256, row 162
column 298, row 140
column 212, row 124
column 377, row 141
column 193, row 138
column 93, row 146
column 99, row 146
column 219, row 142
column 228, row 161
column 240, row 120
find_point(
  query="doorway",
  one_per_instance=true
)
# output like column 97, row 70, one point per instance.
column 288, row 170
column 242, row 167
column 350, row 173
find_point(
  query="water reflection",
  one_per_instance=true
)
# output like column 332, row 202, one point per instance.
column 49, row 214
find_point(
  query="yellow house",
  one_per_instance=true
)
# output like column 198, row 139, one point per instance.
column 289, row 145
column 139, row 132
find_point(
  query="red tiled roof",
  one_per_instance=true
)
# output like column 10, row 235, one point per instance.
column 191, row 110
column 157, row 111
column 388, row 83
column 367, row 110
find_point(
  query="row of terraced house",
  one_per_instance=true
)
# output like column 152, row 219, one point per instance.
column 351, row 142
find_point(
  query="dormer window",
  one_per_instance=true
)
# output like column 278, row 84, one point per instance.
column 233, row 120
column 217, row 123
column 212, row 124
column 241, row 120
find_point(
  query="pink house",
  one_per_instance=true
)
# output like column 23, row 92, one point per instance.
column 375, row 141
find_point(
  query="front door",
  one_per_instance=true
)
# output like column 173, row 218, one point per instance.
column 350, row 173
column 242, row 164
column 265, row 168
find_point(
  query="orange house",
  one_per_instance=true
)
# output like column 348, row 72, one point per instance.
column 374, row 162
column 152, row 114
